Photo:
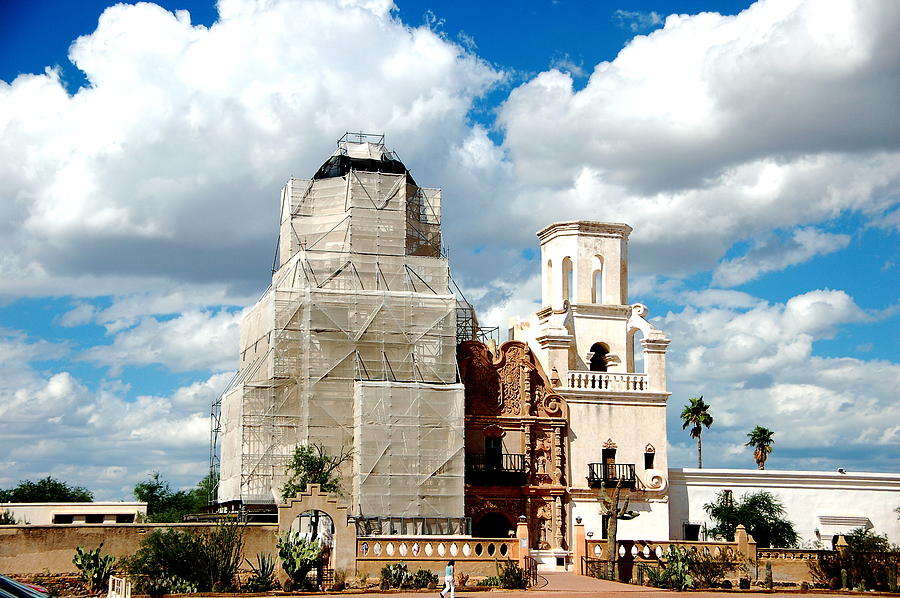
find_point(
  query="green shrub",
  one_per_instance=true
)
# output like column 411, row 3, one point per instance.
column 492, row 581
column 298, row 557
column 167, row 584
column 340, row 580
column 512, row 576
column 675, row 574
column 7, row 518
column 708, row 571
column 869, row 559
column 396, row 575
column 263, row 577
column 207, row 560
column 220, row 556
column 424, row 578
column 93, row 568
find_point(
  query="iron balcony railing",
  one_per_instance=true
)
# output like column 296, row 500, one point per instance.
column 495, row 469
column 609, row 475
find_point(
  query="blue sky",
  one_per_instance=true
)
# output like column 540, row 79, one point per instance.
column 752, row 146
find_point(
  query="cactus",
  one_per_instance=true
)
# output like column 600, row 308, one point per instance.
column 769, row 574
column 845, row 585
column 94, row 568
column 609, row 506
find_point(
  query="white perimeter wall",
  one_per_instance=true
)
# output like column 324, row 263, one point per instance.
column 42, row 513
column 830, row 502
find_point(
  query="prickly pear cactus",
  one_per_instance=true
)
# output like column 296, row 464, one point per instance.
column 95, row 568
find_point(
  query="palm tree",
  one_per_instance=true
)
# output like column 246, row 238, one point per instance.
column 696, row 414
column 761, row 440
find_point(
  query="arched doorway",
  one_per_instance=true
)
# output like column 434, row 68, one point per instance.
column 314, row 525
column 318, row 526
column 492, row 525
column 599, row 352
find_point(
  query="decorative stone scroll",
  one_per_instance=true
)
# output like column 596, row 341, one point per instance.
column 511, row 384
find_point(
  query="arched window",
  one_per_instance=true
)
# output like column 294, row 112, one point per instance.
column 567, row 279
column 635, row 352
column 548, row 280
column 598, row 358
column 597, row 280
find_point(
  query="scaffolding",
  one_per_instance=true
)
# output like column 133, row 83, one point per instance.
column 352, row 346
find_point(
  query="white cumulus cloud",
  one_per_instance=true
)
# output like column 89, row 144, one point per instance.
column 774, row 254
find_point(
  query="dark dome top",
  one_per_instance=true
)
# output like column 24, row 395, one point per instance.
column 340, row 164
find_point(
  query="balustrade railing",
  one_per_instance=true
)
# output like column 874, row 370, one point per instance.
column 788, row 554
column 653, row 550
column 419, row 549
column 614, row 381
column 635, row 557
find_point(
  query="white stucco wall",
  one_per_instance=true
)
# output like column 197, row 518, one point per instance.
column 652, row 523
column 631, row 422
column 815, row 501
column 43, row 513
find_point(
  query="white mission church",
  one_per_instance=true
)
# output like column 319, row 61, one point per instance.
column 361, row 345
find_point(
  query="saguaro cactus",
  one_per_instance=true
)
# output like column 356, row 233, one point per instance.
column 609, row 506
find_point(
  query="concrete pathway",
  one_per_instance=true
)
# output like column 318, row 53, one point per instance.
column 561, row 581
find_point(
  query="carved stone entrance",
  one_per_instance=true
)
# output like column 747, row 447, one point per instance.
column 516, row 430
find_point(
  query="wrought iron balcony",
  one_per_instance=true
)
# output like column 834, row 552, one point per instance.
column 486, row 469
column 609, row 475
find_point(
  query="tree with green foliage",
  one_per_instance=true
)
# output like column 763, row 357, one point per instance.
column 696, row 414
column 46, row 490
column 866, row 540
column 760, row 512
column 205, row 493
column 868, row 561
column 165, row 505
column 312, row 464
column 7, row 518
column 761, row 440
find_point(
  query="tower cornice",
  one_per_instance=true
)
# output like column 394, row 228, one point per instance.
column 584, row 227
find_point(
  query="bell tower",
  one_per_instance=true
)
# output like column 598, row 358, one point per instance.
column 585, row 277
column 584, row 263
column 609, row 363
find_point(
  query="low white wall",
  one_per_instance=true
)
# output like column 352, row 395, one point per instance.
column 815, row 501
column 43, row 513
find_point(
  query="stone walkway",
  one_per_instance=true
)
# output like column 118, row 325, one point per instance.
column 560, row 581
column 559, row 584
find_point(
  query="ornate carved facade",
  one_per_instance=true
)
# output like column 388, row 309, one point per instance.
column 516, row 428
